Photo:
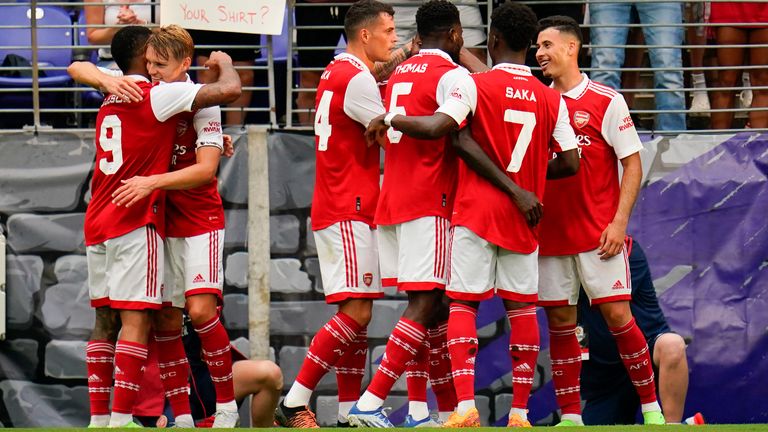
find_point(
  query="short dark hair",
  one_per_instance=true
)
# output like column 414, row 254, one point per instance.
column 436, row 16
column 363, row 13
column 563, row 24
column 516, row 23
column 129, row 43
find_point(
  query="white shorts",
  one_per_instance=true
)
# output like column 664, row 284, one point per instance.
column 480, row 269
column 415, row 255
column 193, row 265
column 126, row 272
column 349, row 261
column 469, row 14
column 603, row 281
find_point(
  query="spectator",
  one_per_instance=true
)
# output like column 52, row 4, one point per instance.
column 696, row 13
column 139, row 12
column 754, row 32
column 243, row 59
column 605, row 384
column 607, row 59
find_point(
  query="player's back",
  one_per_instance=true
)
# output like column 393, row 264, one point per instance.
column 419, row 175
column 513, row 122
column 130, row 141
column 347, row 168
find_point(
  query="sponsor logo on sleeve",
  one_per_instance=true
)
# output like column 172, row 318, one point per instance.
column 626, row 123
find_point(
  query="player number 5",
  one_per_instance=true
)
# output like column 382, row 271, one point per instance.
column 322, row 125
column 399, row 89
column 113, row 144
column 528, row 120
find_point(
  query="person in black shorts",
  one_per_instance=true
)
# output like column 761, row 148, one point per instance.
column 241, row 57
column 610, row 396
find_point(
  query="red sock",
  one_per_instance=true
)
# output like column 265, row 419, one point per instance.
column 565, row 353
column 417, row 374
column 100, row 362
column 633, row 350
column 440, row 376
column 524, row 350
column 216, row 354
column 402, row 346
column 129, row 369
column 327, row 347
column 350, row 368
column 462, row 346
column 174, row 370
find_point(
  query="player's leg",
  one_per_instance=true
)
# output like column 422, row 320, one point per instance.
column 440, row 376
column 349, row 268
column 136, row 262
column 727, row 57
column 350, row 368
column 608, row 285
column 416, row 378
column 517, row 282
column 263, row 381
column 670, row 360
column 100, row 352
column 558, row 293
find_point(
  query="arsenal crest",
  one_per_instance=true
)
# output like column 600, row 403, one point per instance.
column 181, row 127
column 580, row 119
column 368, row 279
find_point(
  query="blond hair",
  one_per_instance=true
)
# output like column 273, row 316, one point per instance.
column 172, row 41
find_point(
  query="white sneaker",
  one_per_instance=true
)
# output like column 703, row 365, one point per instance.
column 745, row 98
column 700, row 103
column 226, row 419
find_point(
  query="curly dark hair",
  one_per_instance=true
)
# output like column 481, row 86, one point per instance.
column 516, row 23
column 129, row 43
column 563, row 24
column 436, row 16
column 363, row 13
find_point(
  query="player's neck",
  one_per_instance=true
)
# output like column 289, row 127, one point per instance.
column 511, row 57
column 359, row 52
column 569, row 80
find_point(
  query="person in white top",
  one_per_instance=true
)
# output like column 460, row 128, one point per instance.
column 97, row 14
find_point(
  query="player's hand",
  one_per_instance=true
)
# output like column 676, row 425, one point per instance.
column 415, row 45
column 133, row 190
column 376, row 131
column 123, row 87
column 217, row 59
column 529, row 205
column 229, row 146
column 612, row 240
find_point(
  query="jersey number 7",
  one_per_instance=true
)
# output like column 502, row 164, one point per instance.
column 528, row 120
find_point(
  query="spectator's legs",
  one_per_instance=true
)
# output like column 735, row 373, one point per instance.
column 246, row 78
column 669, row 359
column 733, row 59
column 697, row 36
column 264, row 381
column 665, row 58
column 607, row 61
column 759, row 77
column 632, row 59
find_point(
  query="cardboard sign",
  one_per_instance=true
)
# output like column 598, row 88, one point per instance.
column 237, row 16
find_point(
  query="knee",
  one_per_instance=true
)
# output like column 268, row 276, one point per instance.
column 672, row 350
column 274, row 377
column 358, row 309
column 560, row 317
column 106, row 326
column 200, row 314
column 167, row 319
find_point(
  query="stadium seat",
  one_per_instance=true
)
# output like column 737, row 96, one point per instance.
column 45, row 233
column 65, row 359
column 65, row 310
column 18, row 359
column 84, row 52
column 23, row 276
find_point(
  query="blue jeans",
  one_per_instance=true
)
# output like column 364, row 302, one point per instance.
column 613, row 58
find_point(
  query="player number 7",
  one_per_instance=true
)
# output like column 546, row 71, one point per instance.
column 528, row 120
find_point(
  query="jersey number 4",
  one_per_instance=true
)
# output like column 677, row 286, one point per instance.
column 111, row 143
column 323, row 126
column 528, row 120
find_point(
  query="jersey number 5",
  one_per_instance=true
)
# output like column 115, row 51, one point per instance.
column 399, row 89
column 322, row 125
column 528, row 120
column 112, row 143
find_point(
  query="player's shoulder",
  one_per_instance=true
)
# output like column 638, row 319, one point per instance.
column 601, row 92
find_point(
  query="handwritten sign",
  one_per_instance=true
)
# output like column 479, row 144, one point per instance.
column 237, row 16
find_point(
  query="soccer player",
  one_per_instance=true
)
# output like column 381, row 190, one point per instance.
column 610, row 396
column 416, row 201
column 343, row 206
column 124, row 262
column 583, row 229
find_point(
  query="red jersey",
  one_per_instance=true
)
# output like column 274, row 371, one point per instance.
column 519, row 123
column 347, row 169
column 199, row 210
column 133, row 139
column 419, row 175
column 577, row 209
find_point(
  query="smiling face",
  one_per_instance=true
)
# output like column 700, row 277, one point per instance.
column 557, row 52
column 166, row 69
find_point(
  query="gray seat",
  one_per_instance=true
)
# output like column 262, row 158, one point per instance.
column 44, row 233
column 312, row 265
column 23, row 276
column 233, row 171
column 299, row 317
column 283, row 234
column 483, row 404
column 291, row 171
column 66, row 312
column 235, row 311
column 501, row 404
column 19, row 359
column 236, row 233
column 236, row 270
column 287, row 277
column 65, row 359
column 291, row 358
column 244, row 346
column 53, row 405
column 386, row 313
column 311, row 245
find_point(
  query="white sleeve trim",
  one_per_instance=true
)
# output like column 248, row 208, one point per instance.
column 362, row 100
column 172, row 98
column 563, row 132
column 208, row 127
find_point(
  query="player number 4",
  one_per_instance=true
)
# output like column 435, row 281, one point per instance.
column 323, row 127
column 112, row 144
column 528, row 120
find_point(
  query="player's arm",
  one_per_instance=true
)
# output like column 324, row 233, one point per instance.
column 207, row 124
column 471, row 62
column 619, row 132
column 113, row 82
column 382, row 71
column 476, row 159
column 227, row 87
column 566, row 146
